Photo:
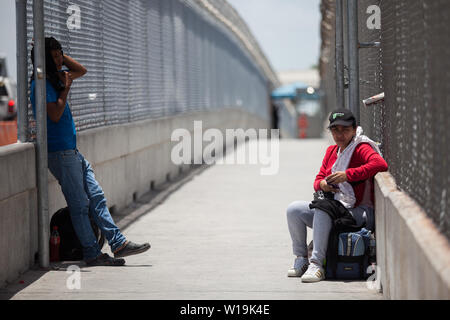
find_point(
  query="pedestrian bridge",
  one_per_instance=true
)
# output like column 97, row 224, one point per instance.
column 217, row 232
column 158, row 66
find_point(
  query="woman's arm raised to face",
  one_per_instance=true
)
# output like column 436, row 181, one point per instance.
column 76, row 69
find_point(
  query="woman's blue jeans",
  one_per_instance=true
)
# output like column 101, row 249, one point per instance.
column 84, row 195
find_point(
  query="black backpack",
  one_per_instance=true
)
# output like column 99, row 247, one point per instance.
column 343, row 223
column 70, row 248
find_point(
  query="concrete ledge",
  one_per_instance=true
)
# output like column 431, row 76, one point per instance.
column 413, row 256
column 17, row 174
column 18, row 210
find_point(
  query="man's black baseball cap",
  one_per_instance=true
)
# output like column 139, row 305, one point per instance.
column 342, row 117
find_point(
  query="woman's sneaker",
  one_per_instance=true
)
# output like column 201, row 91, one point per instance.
column 300, row 266
column 314, row 273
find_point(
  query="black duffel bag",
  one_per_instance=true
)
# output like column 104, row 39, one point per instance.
column 70, row 248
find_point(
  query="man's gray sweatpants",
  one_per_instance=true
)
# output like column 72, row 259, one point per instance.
column 299, row 216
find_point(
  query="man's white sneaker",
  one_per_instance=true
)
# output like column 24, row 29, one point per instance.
column 313, row 274
column 300, row 266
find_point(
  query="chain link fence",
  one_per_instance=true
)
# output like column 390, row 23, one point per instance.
column 156, row 58
column 413, row 70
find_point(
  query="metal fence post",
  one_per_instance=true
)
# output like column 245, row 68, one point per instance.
column 340, row 100
column 22, row 83
column 353, row 57
column 41, row 128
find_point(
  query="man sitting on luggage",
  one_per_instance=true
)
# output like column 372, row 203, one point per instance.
column 347, row 172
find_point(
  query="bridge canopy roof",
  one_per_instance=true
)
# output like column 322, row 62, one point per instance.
column 288, row 91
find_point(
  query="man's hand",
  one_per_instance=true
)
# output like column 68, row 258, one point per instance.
column 337, row 177
column 327, row 188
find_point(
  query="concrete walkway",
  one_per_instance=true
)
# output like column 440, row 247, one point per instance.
column 222, row 235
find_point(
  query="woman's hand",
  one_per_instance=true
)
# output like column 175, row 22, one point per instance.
column 326, row 187
column 67, row 79
column 56, row 109
column 337, row 177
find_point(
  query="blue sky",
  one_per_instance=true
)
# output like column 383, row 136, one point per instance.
column 288, row 31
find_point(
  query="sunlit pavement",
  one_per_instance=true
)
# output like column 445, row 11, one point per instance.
column 222, row 235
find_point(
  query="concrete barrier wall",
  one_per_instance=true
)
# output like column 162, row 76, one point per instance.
column 413, row 256
column 18, row 210
column 126, row 159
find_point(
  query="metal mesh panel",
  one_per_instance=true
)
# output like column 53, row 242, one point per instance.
column 212, row 67
column 415, row 38
column 413, row 70
column 371, row 76
column 86, row 46
column 138, row 89
column 115, row 60
column 327, row 55
column 204, row 67
column 192, row 68
column 180, row 56
column 153, row 58
column 54, row 25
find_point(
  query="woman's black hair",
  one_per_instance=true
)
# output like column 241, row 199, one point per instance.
column 50, row 66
